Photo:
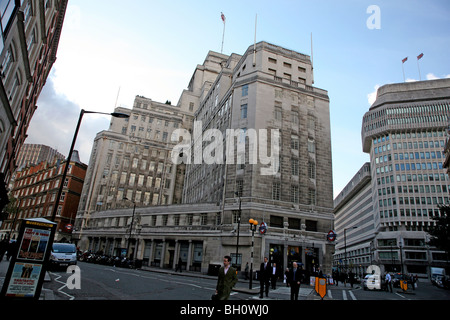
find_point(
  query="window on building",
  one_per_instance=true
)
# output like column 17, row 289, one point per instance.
column 244, row 111
column 245, row 90
column 276, row 191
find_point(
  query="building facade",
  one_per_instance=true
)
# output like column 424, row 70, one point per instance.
column 354, row 223
column 267, row 88
column 30, row 32
column 404, row 132
column 35, row 153
column 34, row 194
column 131, row 162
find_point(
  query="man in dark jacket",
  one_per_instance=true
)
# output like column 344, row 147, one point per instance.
column 264, row 277
column 294, row 278
column 227, row 279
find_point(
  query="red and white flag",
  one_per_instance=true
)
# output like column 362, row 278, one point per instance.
column 222, row 16
column 419, row 56
column 404, row 60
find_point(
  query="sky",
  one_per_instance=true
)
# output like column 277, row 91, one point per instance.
column 110, row 51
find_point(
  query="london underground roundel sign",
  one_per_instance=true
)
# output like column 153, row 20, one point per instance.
column 331, row 236
column 263, row 228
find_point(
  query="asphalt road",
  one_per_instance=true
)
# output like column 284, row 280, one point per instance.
column 100, row 282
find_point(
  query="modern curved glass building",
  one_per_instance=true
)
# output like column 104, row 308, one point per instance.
column 405, row 132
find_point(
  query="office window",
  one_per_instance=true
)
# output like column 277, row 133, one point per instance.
column 311, row 146
column 311, row 170
column 294, row 194
column 244, row 111
column 245, row 90
column 294, row 167
column 276, row 191
column 278, row 113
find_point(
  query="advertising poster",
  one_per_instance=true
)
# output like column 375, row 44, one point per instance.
column 34, row 244
column 24, row 279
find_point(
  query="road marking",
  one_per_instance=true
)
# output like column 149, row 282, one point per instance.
column 329, row 294
column 64, row 285
column 353, row 296
column 344, row 295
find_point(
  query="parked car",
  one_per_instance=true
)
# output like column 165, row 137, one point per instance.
column 372, row 282
column 63, row 255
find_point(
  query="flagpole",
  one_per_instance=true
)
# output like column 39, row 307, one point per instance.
column 420, row 77
column 254, row 43
column 223, row 35
column 418, row 67
column 403, row 69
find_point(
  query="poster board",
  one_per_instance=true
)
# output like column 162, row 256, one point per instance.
column 27, row 268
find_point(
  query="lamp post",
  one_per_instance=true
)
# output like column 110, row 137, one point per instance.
column 345, row 246
column 239, row 224
column 253, row 224
column 66, row 167
column 131, row 227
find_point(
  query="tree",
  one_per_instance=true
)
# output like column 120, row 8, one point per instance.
column 440, row 231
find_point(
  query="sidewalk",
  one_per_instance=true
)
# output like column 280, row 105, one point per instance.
column 307, row 292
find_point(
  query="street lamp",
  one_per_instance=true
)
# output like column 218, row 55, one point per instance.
column 239, row 224
column 253, row 224
column 131, row 226
column 345, row 246
column 61, row 185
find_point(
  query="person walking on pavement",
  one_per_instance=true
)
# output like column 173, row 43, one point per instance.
column 388, row 281
column 264, row 277
column 227, row 279
column 3, row 248
column 274, row 276
column 180, row 262
column 294, row 278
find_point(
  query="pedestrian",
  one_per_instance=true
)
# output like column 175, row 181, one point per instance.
column 246, row 271
column 351, row 278
column 227, row 279
column 179, row 264
column 274, row 276
column 3, row 248
column 12, row 247
column 388, row 281
column 286, row 273
column 264, row 277
column 294, row 278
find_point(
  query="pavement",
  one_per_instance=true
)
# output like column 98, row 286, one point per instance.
column 243, row 286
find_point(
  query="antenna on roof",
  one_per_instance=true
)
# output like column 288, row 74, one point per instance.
column 312, row 60
column 254, row 45
column 117, row 98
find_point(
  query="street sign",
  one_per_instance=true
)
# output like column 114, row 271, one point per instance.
column 331, row 236
column 263, row 228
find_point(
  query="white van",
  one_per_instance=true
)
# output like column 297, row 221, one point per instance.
column 63, row 255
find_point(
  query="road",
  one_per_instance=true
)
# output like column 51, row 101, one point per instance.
column 100, row 282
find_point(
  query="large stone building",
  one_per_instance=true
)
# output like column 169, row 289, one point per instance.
column 30, row 32
column 404, row 132
column 31, row 154
column 270, row 89
column 34, row 191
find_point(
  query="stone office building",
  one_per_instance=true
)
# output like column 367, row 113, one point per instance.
column 269, row 88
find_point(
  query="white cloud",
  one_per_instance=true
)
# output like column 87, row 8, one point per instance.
column 371, row 97
column 54, row 122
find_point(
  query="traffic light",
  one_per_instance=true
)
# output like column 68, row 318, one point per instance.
column 3, row 193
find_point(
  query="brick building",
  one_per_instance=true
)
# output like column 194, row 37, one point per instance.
column 34, row 195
